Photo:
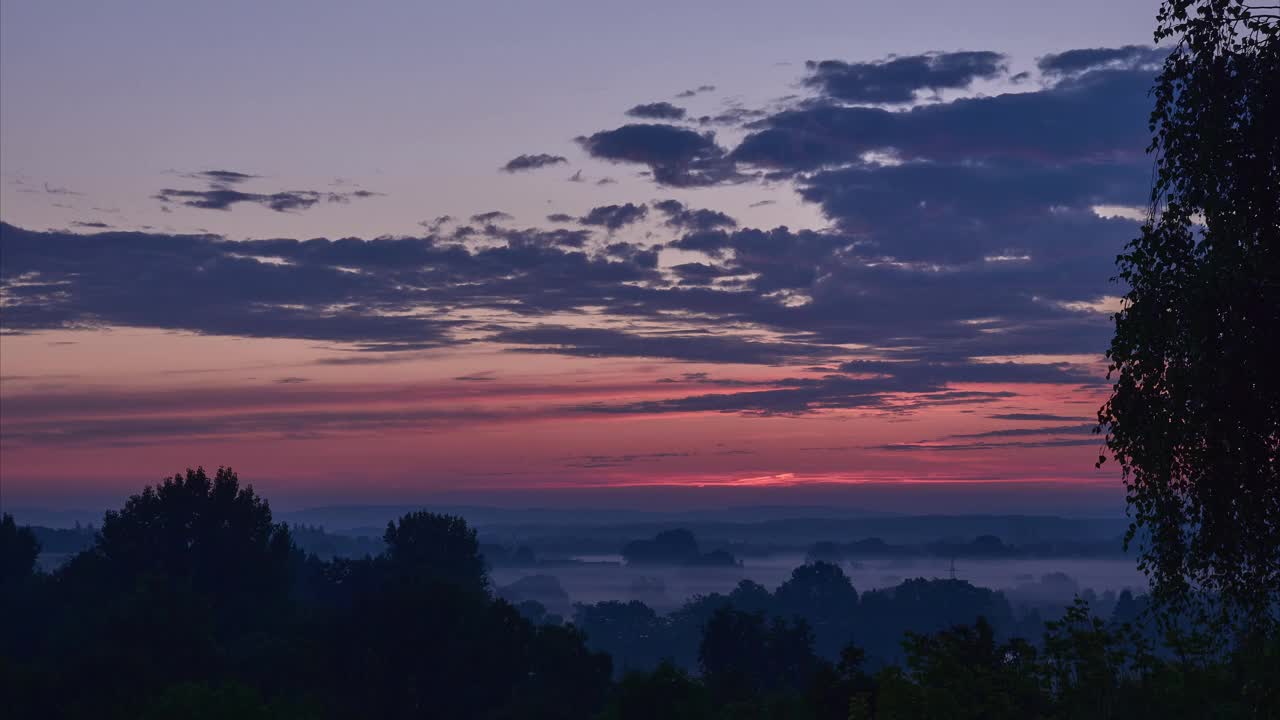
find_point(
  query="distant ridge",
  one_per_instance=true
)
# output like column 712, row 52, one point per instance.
column 346, row 517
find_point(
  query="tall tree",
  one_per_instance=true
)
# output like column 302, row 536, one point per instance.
column 183, row 584
column 1194, row 415
column 203, row 535
column 439, row 548
column 18, row 551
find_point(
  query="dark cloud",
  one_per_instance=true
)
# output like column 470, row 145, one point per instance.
column 205, row 401
column 48, row 189
column 687, row 377
column 485, row 376
column 292, row 380
column 640, row 255
column 696, row 91
column 390, row 294
column 1074, row 62
column 898, row 79
column 221, row 177
column 560, row 218
column 436, row 223
column 222, row 196
column 1053, row 436
column 693, row 347
column 965, row 447
column 1038, row 417
column 559, row 237
column 533, row 162
column 959, row 212
column 732, row 116
column 135, row 430
column 1097, row 117
column 801, row 396
column 366, row 358
column 657, row 111
column 976, row 238
column 975, row 308
column 194, row 283
column 939, row 373
column 615, row 217
column 680, row 216
column 605, row 461
column 284, row 201
column 69, row 281
column 345, row 198
column 764, row 403
column 1022, row 432
column 700, row 273
column 711, row 242
column 492, row 216
column 674, row 155
column 90, row 224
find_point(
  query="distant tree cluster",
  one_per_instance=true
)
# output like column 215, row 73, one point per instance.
column 674, row 547
column 982, row 546
column 819, row 595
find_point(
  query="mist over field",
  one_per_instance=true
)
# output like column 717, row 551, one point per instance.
column 575, row 557
column 606, row 577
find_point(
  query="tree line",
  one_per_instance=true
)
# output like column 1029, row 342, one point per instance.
column 192, row 602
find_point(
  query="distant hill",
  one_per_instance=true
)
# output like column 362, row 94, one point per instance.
column 344, row 518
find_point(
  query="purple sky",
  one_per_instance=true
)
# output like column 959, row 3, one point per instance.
column 710, row 265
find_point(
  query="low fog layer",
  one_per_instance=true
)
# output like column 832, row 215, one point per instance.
column 1036, row 581
column 665, row 561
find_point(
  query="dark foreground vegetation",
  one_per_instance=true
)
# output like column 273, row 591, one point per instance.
column 193, row 603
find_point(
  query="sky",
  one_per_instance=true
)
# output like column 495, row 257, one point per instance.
column 607, row 254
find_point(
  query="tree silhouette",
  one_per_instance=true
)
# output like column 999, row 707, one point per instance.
column 196, row 701
column 564, row 679
column 1194, row 415
column 18, row 551
column 440, row 548
column 667, row 547
column 21, row 591
column 963, row 673
column 743, row 655
column 817, row 590
column 631, row 632
column 207, row 534
column 751, row 596
column 822, row 594
column 1126, row 609
column 667, row 692
column 176, row 587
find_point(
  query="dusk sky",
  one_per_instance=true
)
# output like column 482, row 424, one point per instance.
column 572, row 252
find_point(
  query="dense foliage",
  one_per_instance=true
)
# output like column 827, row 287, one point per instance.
column 193, row 603
column 1194, row 417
